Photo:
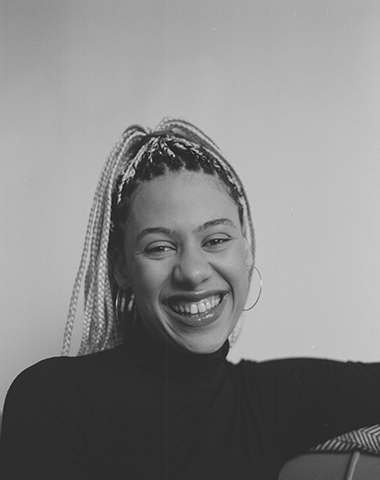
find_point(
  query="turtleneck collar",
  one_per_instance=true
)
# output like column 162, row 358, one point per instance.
column 173, row 366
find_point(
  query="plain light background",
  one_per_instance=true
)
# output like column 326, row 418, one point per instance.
column 290, row 90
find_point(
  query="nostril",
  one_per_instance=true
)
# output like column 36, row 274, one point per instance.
column 192, row 268
column 193, row 275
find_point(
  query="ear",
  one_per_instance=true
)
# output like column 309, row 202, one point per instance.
column 120, row 268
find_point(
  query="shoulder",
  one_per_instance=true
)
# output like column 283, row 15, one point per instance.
column 290, row 365
column 291, row 373
column 309, row 376
column 57, row 374
column 306, row 366
column 102, row 360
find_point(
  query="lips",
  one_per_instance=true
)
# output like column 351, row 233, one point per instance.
column 197, row 310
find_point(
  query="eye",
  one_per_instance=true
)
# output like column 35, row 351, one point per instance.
column 159, row 249
column 217, row 242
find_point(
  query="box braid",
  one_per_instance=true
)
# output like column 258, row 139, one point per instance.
column 138, row 157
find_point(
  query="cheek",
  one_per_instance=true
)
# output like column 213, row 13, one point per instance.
column 236, row 271
column 147, row 279
column 243, row 285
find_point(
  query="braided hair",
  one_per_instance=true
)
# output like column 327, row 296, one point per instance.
column 138, row 157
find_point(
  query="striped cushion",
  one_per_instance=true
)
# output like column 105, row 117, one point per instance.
column 366, row 439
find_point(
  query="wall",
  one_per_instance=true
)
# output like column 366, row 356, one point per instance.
column 288, row 89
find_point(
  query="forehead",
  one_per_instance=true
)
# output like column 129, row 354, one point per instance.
column 181, row 199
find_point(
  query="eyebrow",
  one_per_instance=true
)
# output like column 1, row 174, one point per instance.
column 201, row 228
column 215, row 223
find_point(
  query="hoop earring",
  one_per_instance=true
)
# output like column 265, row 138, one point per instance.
column 122, row 308
column 259, row 295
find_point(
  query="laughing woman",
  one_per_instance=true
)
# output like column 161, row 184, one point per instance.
column 167, row 264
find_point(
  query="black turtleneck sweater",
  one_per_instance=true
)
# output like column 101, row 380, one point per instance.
column 145, row 411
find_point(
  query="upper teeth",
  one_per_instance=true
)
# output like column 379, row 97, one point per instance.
column 194, row 308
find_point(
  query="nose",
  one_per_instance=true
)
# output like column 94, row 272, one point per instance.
column 193, row 267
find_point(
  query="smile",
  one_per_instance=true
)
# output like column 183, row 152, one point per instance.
column 195, row 308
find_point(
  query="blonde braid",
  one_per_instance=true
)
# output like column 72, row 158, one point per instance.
column 94, row 307
column 100, row 331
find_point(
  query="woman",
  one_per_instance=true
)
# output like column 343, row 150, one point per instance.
column 170, row 251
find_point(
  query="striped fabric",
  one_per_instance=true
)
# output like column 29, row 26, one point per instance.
column 366, row 439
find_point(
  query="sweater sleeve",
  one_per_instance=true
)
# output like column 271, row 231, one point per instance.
column 42, row 433
column 308, row 401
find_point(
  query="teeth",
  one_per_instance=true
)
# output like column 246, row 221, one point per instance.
column 202, row 308
column 199, row 307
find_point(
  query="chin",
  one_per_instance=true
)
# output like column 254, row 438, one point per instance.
column 200, row 345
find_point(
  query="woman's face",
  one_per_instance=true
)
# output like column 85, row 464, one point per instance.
column 186, row 260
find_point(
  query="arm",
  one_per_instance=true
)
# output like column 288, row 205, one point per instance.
column 42, row 435
column 316, row 400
